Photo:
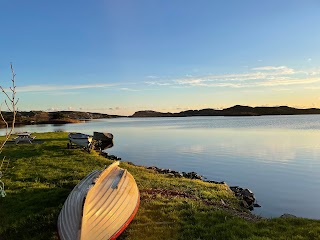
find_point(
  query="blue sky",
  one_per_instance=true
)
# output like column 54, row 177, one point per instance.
column 118, row 57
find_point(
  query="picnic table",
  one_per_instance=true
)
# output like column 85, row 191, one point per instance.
column 23, row 137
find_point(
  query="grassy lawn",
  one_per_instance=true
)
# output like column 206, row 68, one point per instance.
column 39, row 178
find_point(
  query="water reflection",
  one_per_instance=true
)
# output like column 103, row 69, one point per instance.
column 58, row 125
column 105, row 145
column 193, row 149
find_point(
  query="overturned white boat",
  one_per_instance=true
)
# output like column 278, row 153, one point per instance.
column 101, row 206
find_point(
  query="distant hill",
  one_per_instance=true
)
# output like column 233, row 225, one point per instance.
column 41, row 117
column 149, row 113
column 232, row 111
column 61, row 117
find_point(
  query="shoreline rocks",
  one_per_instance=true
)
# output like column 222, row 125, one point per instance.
column 111, row 157
column 190, row 175
column 245, row 195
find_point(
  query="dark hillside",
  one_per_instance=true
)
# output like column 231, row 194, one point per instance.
column 237, row 110
column 41, row 117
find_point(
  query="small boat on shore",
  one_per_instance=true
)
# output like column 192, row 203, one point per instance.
column 100, row 136
column 102, row 140
column 101, row 206
column 80, row 139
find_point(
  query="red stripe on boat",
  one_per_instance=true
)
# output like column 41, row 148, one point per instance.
column 125, row 225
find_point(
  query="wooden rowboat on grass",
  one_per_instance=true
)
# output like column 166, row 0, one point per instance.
column 101, row 206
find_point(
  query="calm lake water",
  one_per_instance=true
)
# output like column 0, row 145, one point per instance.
column 277, row 157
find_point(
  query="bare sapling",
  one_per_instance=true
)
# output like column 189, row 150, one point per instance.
column 11, row 103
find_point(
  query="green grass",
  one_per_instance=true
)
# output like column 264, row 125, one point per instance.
column 40, row 177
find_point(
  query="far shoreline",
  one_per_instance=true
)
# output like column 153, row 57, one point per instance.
column 24, row 118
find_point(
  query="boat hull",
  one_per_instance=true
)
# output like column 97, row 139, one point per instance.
column 70, row 216
column 80, row 139
column 102, row 136
column 108, row 208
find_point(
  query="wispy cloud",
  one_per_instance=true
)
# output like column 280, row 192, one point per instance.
column 282, row 89
column 282, row 69
column 45, row 88
column 129, row 89
column 265, row 76
column 290, row 82
column 62, row 93
column 159, row 83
